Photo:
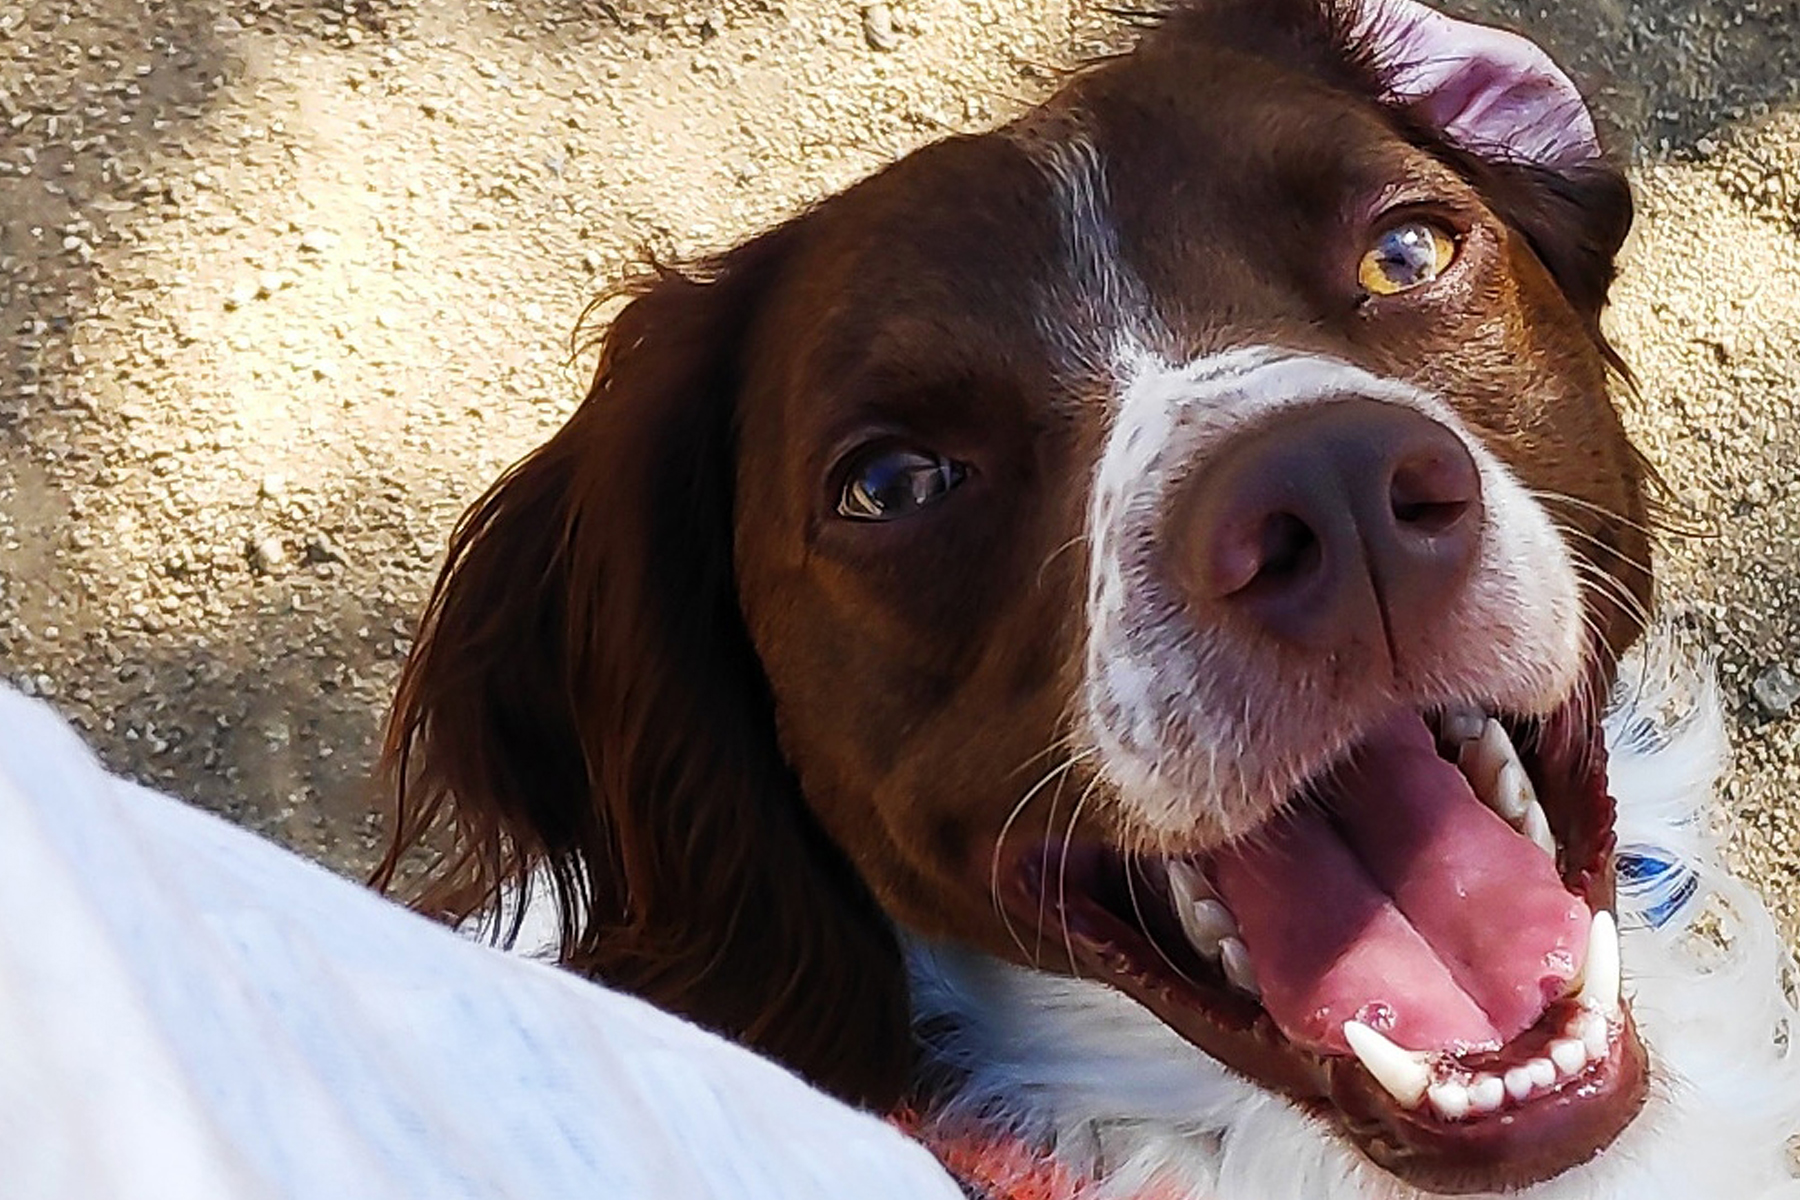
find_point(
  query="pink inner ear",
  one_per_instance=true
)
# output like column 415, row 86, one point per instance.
column 1491, row 92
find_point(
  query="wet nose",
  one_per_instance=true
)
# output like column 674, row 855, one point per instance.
column 1337, row 525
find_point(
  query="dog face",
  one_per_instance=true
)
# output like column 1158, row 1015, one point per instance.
column 1090, row 542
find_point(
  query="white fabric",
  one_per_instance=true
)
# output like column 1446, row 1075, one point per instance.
column 189, row 1012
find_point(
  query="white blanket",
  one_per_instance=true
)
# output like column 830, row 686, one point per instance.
column 189, row 1012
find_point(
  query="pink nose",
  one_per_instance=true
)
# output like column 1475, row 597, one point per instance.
column 1334, row 527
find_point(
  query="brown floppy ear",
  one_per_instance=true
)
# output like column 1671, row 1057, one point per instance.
column 1575, row 219
column 583, row 703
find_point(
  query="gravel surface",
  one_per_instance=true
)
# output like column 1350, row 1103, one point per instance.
column 283, row 289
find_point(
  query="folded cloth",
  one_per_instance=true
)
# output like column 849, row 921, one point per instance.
column 190, row 1012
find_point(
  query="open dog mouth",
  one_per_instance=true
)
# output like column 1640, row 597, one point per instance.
column 1419, row 947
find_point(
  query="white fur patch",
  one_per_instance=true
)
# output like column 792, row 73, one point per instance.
column 1095, row 304
column 1192, row 724
column 1078, row 1066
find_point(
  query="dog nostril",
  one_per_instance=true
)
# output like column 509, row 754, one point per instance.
column 1325, row 527
column 1290, row 550
column 1256, row 553
column 1431, row 494
column 1430, row 516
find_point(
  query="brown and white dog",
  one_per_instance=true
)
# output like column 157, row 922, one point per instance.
column 1102, row 629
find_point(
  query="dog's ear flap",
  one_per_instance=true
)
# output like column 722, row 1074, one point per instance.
column 1575, row 219
column 1516, row 125
column 1493, row 93
column 583, row 706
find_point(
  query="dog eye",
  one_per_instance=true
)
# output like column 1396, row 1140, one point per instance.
column 893, row 483
column 1405, row 257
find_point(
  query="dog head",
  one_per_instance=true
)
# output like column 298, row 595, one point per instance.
column 1091, row 541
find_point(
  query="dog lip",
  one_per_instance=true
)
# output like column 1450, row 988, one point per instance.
column 1522, row 1143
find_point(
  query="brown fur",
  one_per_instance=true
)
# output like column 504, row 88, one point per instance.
column 582, row 670
column 745, row 740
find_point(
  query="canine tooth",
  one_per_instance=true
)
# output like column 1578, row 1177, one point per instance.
column 1187, row 881
column 1536, row 826
column 1404, row 1073
column 1462, row 723
column 1590, row 1027
column 1234, row 956
column 1514, row 798
column 1542, row 1072
column 1569, row 1055
column 1519, row 1082
column 1486, row 1094
column 1451, row 1099
column 1600, row 974
column 1207, row 923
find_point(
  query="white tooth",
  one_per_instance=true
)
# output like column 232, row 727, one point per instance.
column 1514, row 798
column 1462, row 723
column 1569, row 1055
column 1481, row 756
column 1590, row 1027
column 1486, row 1093
column 1186, row 881
column 1204, row 920
column 1600, row 973
column 1404, row 1073
column 1207, row 923
column 1451, row 1099
column 1492, row 767
column 1519, row 1082
column 1542, row 1072
column 1536, row 826
column 1234, row 956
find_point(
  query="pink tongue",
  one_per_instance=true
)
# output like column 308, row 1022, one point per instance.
column 1404, row 903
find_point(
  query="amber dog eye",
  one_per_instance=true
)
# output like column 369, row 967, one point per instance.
column 1405, row 257
column 896, row 482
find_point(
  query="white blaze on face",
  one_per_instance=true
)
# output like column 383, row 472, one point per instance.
column 1202, row 731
